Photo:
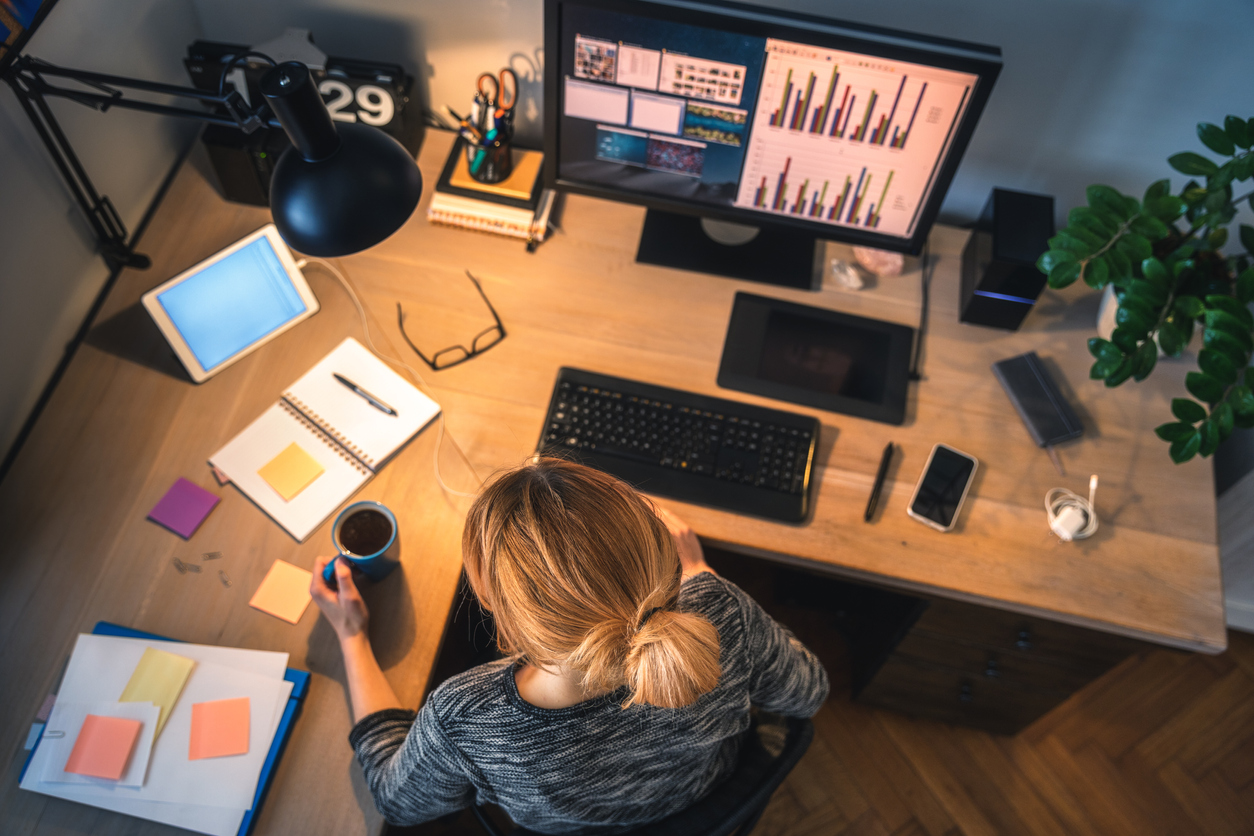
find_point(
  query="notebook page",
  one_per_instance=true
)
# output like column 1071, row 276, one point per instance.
column 264, row 439
column 369, row 433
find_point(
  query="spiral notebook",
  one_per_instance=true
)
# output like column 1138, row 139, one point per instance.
column 314, row 448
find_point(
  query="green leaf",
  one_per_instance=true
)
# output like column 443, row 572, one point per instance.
column 1052, row 258
column 1105, row 198
column 1210, row 437
column 1238, row 131
column 1193, row 194
column 1155, row 272
column 1185, row 448
column 1151, row 295
column 1135, row 247
column 1218, row 320
column 1214, row 138
column 1232, row 307
column 1170, row 338
column 1179, row 268
column 1221, row 416
column 1216, row 238
column 1194, row 164
column 1064, row 274
column 1104, row 350
column 1157, row 189
column 1241, row 398
column 1217, row 365
column 1149, row 226
column 1186, row 410
column 1126, row 339
column 1071, row 244
column 1245, row 286
column 1166, row 208
column 1133, row 320
column 1087, row 218
column 1221, row 178
column 1097, row 273
column 1122, row 373
column 1086, row 235
column 1204, row 387
column 1174, row 431
column 1216, row 199
column 1223, row 341
column 1190, row 306
column 1247, row 236
column 1244, row 167
column 1143, row 361
column 1120, row 264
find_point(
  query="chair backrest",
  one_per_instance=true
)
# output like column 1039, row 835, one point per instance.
column 735, row 805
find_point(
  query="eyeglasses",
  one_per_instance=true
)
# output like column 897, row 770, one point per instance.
column 448, row 357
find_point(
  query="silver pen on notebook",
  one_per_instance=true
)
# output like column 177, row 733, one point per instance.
column 371, row 399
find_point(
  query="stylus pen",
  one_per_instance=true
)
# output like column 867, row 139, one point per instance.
column 371, row 399
column 879, row 482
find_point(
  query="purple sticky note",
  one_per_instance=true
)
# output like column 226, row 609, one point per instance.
column 183, row 508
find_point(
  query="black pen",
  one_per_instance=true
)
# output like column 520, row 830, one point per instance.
column 879, row 482
column 371, row 399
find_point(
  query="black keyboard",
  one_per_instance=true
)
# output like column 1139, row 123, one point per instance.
column 699, row 449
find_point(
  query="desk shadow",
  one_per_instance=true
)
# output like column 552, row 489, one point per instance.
column 1060, row 314
column 131, row 335
column 392, row 621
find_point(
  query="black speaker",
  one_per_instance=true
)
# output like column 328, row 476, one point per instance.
column 1000, row 282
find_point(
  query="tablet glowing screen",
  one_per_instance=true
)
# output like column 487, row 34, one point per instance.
column 232, row 303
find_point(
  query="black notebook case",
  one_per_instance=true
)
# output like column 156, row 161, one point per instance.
column 1045, row 412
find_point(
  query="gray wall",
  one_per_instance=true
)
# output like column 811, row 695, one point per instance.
column 1092, row 91
column 49, row 270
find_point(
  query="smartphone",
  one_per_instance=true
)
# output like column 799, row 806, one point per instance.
column 942, row 488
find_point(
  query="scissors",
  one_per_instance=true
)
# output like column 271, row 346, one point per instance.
column 501, row 92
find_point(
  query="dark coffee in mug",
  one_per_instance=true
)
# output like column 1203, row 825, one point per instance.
column 365, row 532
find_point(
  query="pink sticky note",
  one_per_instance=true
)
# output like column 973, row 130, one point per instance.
column 183, row 508
column 219, row 728
column 103, row 747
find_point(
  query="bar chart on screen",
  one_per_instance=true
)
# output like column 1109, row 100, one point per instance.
column 848, row 139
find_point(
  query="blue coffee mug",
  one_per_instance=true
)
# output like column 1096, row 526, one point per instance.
column 375, row 566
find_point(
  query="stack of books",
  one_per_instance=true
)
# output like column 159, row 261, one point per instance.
column 518, row 206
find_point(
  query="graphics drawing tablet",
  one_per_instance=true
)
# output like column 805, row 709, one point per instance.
column 216, row 312
column 816, row 357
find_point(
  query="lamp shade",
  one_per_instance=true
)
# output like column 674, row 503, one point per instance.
column 338, row 189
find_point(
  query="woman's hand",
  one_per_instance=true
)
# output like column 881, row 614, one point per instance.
column 343, row 606
column 691, row 557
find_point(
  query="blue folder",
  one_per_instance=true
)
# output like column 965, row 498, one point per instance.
column 300, row 687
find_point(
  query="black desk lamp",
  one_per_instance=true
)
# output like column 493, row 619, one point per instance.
column 336, row 191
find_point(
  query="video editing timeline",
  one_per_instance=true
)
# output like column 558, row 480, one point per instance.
column 848, row 139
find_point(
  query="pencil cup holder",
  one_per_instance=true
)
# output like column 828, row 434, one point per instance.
column 365, row 534
column 490, row 162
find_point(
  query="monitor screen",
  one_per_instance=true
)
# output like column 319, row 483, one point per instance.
column 232, row 303
column 745, row 114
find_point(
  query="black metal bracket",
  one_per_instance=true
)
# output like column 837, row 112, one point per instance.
column 28, row 78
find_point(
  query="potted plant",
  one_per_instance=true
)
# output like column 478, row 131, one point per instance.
column 1163, row 256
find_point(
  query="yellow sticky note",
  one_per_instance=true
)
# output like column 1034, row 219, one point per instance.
column 284, row 591
column 291, row 471
column 159, row 679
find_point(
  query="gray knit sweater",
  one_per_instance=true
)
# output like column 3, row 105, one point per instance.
column 593, row 768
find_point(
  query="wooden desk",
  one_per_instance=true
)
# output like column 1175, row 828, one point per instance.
column 124, row 424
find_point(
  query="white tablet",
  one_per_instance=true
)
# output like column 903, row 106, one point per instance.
column 230, row 303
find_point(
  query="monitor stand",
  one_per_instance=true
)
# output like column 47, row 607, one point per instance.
column 771, row 253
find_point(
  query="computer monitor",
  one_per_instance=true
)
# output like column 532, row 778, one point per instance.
column 18, row 21
column 799, row 126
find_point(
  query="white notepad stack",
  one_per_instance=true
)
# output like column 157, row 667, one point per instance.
column 207, row 795
column 342, row 440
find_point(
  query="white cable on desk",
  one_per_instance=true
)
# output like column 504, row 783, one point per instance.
column 422, row 384
column 1071, row 516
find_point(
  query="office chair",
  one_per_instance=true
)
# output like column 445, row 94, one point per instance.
column 735, row 805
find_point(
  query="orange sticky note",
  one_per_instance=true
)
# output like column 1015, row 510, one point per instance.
column 284, row 591
column 291, row 471
column 219, row 728
column 103, row 747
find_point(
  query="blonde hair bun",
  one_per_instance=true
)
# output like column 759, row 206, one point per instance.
column 672, row 660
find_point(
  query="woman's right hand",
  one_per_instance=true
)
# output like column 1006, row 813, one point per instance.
column 343, row 606
column 691, row 556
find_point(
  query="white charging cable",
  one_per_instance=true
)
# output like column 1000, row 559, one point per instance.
column 1071, row 516
column 422, row 384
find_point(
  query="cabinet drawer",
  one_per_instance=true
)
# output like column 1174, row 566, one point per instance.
column 939, row 693
column 1013, row 668
column 1087, row 652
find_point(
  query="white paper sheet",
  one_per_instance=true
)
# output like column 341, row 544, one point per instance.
column 62, row 730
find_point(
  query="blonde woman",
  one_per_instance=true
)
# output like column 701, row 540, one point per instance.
column 631, row 666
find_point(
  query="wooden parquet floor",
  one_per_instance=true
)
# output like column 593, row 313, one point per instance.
column 1162, row 744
